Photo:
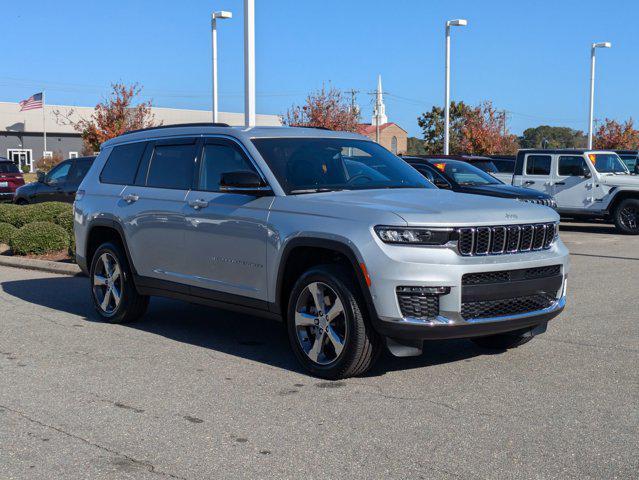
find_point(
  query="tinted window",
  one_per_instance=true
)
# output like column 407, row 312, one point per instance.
column 172, row 166
column 79, row 170
column 572, row 165
column 59, row 173
column 8, row 167
column 629, row 160
column 122, row 164
column 538, row 165
column 505, row 166
column 219, row 159
column 305, row 165
column 486, row 166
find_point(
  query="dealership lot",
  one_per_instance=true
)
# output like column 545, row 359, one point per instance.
column 191, row 392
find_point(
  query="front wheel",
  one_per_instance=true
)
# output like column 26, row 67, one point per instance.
column 114, row 295
column 626, row 216
column 327, row 324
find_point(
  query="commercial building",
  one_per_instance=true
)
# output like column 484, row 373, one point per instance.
column 21, row 133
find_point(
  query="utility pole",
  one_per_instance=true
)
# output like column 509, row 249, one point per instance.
column 353, row 94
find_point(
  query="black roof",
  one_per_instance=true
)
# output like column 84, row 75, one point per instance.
column 576, row 151
column 177, row 125
column 630, row 152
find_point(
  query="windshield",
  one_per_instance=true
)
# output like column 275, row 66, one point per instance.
column 630, row 161
column 607, row 163
column 306, row 165
column 465, row 174
column 8, row 167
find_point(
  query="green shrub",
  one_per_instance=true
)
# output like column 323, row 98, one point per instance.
column 19, row 216
column 38, row 238
column 65, row 220
column 6, row 229
column 6, row 211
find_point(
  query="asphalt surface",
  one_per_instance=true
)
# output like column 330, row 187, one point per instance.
column 195, row 393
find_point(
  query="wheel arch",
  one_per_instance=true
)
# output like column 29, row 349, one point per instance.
column 102, row 230
column 619, row 197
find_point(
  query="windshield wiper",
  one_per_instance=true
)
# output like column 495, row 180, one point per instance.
column 317, row 190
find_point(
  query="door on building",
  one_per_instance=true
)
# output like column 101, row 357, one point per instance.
column 21, row 157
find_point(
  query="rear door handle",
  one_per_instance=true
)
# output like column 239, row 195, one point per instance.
column 199, row 203
column 529, row 182
column 130, row 198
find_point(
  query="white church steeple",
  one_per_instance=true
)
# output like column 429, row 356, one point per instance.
column 379, row 113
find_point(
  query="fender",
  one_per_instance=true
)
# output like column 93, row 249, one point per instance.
column 335, row 245
column 115, row 225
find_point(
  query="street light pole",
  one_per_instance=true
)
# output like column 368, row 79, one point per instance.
column 451, row 23
column 214, row 17
column 592, row 88
column 249, row 63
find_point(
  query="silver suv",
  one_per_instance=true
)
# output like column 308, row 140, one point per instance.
column 327, row 231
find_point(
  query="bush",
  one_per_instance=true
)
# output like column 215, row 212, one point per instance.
column 19, row 216
column 6, row 229
column 65, row 220
column 8, row 213
column 39, row 238
column 47, row 163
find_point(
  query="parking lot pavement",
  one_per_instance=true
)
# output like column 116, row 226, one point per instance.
column 193, row 393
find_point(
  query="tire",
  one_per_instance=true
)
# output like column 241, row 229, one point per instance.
column 131, row 305
column 504, row 341
column 626, row 216
column 360, row 344
column 21, row 201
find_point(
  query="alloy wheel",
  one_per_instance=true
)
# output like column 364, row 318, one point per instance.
column 320, row 323
column 107, row 283
column 629, row 217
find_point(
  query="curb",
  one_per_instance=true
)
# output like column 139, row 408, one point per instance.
column 41, row 265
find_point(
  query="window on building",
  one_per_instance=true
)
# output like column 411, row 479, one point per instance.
column 394, row 145
column 538, row 164
column 122, row 164
column 73, row 155
column 47, row 154
column 172, row 166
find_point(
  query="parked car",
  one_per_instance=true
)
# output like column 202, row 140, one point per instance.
column 586, row 184
column 464, row 177
column 10, row 179
column 59, row 185
column 630, row 158
column 326, row 231
column 503, row 172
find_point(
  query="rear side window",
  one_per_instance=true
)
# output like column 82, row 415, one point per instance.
column 538, row 164
column 572, row 165
column 505, row 166
column 219, row 159
column 122, row 164
column 8, row 167
column 486, row 166
column 172, row 166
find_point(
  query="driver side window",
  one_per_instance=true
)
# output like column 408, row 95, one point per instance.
column 58, row 174
column 572, row 166
column 218, row 159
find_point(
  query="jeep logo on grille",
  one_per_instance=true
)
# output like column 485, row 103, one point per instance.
column 511, row 216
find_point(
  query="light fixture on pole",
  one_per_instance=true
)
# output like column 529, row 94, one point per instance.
column 451, row 23
column 592, row 87
column 214, row 17
column 249, row 63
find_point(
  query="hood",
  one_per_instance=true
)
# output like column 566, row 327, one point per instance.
column 419, row 206
column 625, row 180
column 504, row 191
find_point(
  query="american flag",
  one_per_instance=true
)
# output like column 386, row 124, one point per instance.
column 31, row 103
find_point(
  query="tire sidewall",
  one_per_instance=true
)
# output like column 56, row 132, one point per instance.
column 620, row 226
column 331, row 277
column 126, row 295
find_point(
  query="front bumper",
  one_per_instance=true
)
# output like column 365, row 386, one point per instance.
column 7, row 196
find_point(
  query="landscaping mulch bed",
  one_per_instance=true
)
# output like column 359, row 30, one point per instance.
column 61, row 256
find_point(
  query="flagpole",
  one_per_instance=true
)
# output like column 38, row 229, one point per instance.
column 44, row 125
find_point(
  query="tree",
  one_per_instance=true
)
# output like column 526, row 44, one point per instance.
column 114, row 116
column 416, row 146
column 612, row 135
column 323, row 108
column 479, row 130
column 432, row 125
column 484, row 132
column 47, row 163
column 545, row 136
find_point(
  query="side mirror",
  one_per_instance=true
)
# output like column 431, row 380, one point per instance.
column 41, row 176
column 243, row 181
column 585, row 172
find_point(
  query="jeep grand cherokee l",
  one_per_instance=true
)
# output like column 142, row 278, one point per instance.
column 327, row 231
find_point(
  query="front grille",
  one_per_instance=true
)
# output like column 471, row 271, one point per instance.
column 418, row 305
column 505, row 276
column 505, row 239
column 505, row 307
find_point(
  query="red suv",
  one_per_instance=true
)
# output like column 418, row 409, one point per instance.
column 10, row 179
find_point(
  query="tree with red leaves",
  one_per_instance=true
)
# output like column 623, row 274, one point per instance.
column 484, row 132
column 323, row 108
column 612, row 135
column 115, row 116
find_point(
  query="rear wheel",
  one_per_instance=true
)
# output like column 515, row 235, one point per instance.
column 114, row 295
column 327, row 324
column 504, row 341
column 21, row 201
column 626, row 216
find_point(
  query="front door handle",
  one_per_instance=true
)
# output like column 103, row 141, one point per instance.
column 199, row 203
column 529, row 182
column 130, row 198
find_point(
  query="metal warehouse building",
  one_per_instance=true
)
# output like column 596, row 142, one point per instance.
column 21, row 133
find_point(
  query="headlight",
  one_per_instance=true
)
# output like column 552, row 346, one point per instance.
column 415, row 235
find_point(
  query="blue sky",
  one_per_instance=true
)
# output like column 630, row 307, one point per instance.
column 530, row 58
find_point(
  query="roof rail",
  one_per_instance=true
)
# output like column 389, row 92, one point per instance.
column 177, row 125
